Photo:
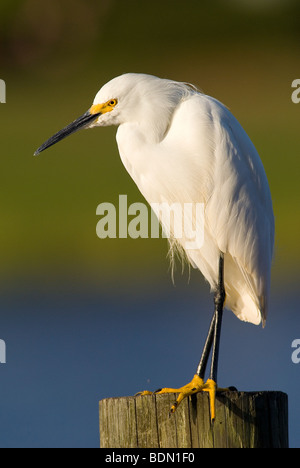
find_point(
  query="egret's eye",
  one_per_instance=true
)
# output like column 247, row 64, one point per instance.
column 113, row 103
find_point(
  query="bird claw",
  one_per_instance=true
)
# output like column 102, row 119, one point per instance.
column 144, row 392
column 195, row 386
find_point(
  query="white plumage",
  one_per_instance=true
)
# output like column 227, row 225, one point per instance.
column 181, row 145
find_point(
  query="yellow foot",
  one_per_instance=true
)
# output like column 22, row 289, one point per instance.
column 196, row 385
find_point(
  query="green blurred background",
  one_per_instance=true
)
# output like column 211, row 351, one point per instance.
column 71, row 303
column 55, row 55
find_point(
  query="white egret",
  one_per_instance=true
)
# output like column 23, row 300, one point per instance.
column 180, row 145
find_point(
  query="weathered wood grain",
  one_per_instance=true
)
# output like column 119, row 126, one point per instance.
column 243, row 420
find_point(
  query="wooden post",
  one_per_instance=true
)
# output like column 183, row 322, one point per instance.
column 243, row 420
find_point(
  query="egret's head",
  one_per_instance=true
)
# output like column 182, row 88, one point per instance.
column 131, row 97
column 101, row 113
column 118, row 100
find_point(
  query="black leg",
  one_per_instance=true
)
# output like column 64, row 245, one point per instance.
column 207, row 349
column 219, row 306
column 213, row 340
column 215, row 327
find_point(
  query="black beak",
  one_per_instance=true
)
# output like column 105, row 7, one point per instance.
column 79, row 123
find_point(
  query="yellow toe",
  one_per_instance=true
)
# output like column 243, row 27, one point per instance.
column 145, row 392
column 196, row 385
column 211, row 387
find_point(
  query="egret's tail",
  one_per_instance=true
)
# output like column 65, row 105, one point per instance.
column 246, row 297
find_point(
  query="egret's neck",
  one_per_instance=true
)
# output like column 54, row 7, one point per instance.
column 133, row 138
column 134, row 144
column 153, row 125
